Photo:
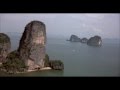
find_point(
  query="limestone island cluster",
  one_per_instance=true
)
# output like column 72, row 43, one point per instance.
column 93, row 41
column 31, row 53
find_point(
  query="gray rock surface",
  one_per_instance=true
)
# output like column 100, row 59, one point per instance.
column 95, row 41
column 32, row 45
column 5, row 46
column 74, row 38
column 84, row 40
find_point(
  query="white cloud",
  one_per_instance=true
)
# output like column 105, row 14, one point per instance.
column 98, row 16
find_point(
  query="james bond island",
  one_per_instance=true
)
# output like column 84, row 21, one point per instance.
column 31, row 53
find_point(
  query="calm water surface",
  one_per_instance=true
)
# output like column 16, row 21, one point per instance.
column 79, row 59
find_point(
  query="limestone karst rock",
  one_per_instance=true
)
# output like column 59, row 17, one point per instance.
column 56, row 64
column 84, row 40
column 5, row 46
column 95, row 41
column 74, row 38
column 32, row 45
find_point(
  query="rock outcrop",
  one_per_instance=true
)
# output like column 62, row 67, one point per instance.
column 56, row 64
column 32, row 45
column 5, row 46
column 84, row 40
column 31, row 54
column 74, row 38
column 95, row 41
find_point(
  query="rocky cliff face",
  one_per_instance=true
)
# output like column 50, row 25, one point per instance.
column 84, row 40
column 74, row 38
column 32, row 45
column 5, row 46
column 95, row 41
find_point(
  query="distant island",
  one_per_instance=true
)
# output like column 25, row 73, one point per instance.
column 74, row 38
column 31, row 53
column 93, row 41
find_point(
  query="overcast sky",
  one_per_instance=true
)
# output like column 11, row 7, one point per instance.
column 63, row 25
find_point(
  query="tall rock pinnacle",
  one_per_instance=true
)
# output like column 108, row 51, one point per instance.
column 32, row 45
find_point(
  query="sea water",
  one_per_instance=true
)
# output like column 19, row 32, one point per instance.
column 79, row 59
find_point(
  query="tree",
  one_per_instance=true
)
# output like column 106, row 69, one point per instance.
column 46, row 64
column 14, row 63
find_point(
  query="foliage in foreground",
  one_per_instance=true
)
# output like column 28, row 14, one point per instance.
column 56, row 64
column 14, row 63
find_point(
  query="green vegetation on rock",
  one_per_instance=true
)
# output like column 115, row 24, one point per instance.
column 46, row 64
column 14, row 63
column 56, row 64
column 4, row 38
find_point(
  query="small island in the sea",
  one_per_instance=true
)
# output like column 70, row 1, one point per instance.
column 74, row 38
column 31, row 53
column 93, row 41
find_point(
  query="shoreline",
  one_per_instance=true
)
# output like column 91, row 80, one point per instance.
column 27, row 71
column 45, row 68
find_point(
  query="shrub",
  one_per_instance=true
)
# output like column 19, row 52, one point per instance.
column 13, row 63
column 46, row 64
column 56, row 64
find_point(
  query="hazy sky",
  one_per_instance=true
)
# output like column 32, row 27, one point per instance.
column 63, row 25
